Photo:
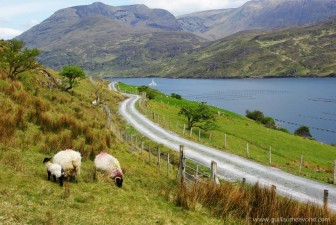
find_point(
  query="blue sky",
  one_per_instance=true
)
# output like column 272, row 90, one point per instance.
column 17, row 16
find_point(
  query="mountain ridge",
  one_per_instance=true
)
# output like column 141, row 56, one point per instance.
column 262, row 14
column 122, row 40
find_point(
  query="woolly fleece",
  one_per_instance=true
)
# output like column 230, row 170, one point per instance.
column 107, row 163
column 69, row 160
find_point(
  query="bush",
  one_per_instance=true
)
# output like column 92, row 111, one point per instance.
column 177, row 96
column 255, row 115
column 284, row 130
column 303, row 131
column 269, row 122
column 150, row 93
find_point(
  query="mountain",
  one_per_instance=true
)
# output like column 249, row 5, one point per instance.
column 305, row 51
column 101, row 38
column 257, row 14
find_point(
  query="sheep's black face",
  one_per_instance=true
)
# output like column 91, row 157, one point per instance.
column 46, row 160
column 119, row 181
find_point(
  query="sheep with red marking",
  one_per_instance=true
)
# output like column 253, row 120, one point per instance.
column 106, row 163
column 70, row 161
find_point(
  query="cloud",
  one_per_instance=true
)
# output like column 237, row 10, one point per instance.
column 180, row 7
column 9, row 33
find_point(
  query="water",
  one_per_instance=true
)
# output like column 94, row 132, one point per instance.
column 292, row 102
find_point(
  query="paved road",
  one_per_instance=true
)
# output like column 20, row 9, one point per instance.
column 229, row 166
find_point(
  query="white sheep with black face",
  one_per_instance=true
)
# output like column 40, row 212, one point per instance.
column 70, row 161
column 55, row 170
column 106, row 163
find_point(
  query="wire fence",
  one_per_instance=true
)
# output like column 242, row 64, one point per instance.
column 249, row 149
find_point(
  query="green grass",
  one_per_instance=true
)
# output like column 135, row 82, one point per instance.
column 286, row 148
column 39, row 121
column 145, row 198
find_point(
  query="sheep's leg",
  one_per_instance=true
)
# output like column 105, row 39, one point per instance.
column 54, row 178
column 61, row 180
column 49, row 174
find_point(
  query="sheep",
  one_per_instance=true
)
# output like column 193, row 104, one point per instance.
column 70, row 161
column 55, row 170
column 105, row 162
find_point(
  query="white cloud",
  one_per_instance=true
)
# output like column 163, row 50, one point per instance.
column 9, row 33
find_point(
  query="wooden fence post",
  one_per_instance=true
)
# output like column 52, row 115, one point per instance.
column 301, row 161
column 182, row 164
column 270, row 155
column 335, row 172
column 159, row 154
column 325, row 199
column 244, row 181
column 149, row 154
column 142, row 147
column 247, row 151
column 191, row 132
column 273, row 195
column 168, row 164
column 224, row 140
column 199, row 134
column 184, row 128
column 213, row 177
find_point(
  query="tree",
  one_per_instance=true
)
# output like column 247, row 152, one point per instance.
column 150, row 93
column 269, row 122
column 71, row 73
column 303, row 131
column 177, row 96
column 255, row 115
column 198, row 116
column 17, row 58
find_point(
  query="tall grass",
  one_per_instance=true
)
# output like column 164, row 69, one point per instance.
column 250, row 204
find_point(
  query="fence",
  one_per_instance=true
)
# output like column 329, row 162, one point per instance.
column 249, row 149
column 157, row 154
column 191, row 171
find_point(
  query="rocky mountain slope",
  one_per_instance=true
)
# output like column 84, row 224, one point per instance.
column 138, row 41
column 101, row 38
column 292, row 52
column 257, row 14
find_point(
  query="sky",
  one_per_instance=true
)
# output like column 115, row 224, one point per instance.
column 17, row 16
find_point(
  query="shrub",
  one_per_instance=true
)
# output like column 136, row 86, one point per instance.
column 303, row 131
column 284, row 130
column 177, row 96
column 269, row 122
column 255, row 115
column 150, row 93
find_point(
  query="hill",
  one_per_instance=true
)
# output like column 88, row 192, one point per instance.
column 262, row 14
column 307, row 51
column 102, row 38
column 39, row 118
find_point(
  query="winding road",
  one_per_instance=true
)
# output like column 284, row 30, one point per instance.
column 229, row 166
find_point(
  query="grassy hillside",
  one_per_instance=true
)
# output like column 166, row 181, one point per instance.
column 301, row 51
column 37, row 119
column 286, row 148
